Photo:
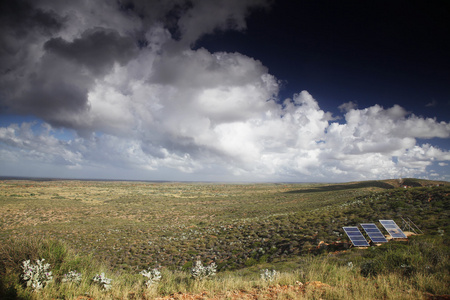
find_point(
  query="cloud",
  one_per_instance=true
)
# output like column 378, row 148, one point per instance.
column 96, row 49
column 348, row 106
column 54, row 52
column 228, row 14
column 292, row 141
column 433, row 103
column 123, row 76
column 21, row 142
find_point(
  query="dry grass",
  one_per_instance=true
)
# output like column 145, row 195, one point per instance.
column 129, row 226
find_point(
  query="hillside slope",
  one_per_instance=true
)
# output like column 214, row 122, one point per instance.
column 244, row 229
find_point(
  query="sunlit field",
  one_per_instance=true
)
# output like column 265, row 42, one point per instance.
column 122, row 228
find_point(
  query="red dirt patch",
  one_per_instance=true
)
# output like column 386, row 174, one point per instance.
column 271, row 292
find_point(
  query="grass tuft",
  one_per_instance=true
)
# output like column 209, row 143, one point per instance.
column 244, row 229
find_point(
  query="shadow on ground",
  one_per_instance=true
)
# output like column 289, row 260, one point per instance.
column 346, row 186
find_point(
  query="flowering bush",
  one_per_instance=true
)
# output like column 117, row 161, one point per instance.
column 152, row 275
column 72, row 276
column 267, row 275
column 36, row 275
column 103, row 281
column 199, row 272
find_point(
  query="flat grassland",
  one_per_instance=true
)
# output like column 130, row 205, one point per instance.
column 136, row 225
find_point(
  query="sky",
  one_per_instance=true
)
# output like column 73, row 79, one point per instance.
column 225, row 90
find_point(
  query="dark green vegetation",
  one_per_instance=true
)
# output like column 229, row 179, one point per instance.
column 15, row 251
column 131, row 226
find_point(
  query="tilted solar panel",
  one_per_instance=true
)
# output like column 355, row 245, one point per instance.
column 374, row 233
column 358, row 240
column 393, row 229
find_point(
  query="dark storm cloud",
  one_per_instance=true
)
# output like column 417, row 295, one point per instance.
column 44, row 59
column 54, row 100
column 53, row 52
column 128, row 83
column 21, row 16
column 56, row 90
column 97, row 49
column 20, row 24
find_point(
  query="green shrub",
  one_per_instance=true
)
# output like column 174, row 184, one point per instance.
column 250, row 262
column 371, row 268
column 15, row 251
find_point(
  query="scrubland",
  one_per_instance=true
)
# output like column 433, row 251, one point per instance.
column 122, row 228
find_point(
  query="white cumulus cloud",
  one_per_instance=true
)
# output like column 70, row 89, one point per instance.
column 145, row 105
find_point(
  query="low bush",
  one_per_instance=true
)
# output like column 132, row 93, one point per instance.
column 269, row 275
column 36, row 275
column 73, row 277
column 103, row 281
column 28, row 265
column 298, row 235
column 199, row 272
column 153, row 276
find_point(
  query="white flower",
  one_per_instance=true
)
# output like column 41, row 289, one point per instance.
column 72, row 276
column 267, row 275
column 36, row 275
column 200, row 272
column 350, row 265
column 103, row 281
column 152, row 275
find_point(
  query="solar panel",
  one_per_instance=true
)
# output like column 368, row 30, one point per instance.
column 393, row 229
column 358, row 240
column 374, row 233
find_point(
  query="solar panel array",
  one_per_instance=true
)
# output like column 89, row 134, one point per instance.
column 358, row 240
column 393, row 229
column 374, row 233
